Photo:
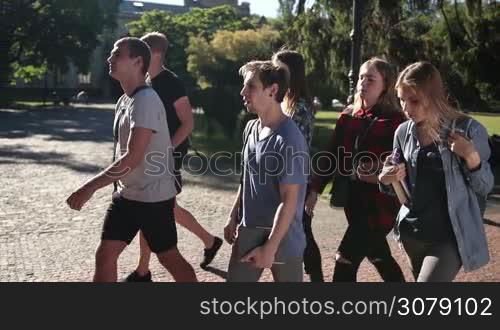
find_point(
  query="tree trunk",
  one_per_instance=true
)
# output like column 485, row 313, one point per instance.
column 301, row 7
column 5, row 45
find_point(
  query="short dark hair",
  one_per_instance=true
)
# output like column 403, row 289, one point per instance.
column 157, row 42
column 137, row 48
column 269, row 74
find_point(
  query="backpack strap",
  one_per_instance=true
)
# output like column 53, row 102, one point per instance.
column 117, row 125
column 361, row 137
column 120, row 115
column 246, row 135
column 469, row 122
column 402, row 139
column 467, row 126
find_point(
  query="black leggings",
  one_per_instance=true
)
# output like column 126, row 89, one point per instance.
column 312, row 255
column 360, row 241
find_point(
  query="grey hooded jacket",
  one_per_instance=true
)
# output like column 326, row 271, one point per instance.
column 462, row 186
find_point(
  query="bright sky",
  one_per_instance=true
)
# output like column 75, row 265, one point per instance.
column 267, row 8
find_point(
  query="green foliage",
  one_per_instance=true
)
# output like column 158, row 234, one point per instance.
column 460, row 38
column 51, row 33
column 215, row 64
column 467, row 35
column 286, row 10
column 322, row 36
column 28, row 73
column 207, row 48
column 198, row 22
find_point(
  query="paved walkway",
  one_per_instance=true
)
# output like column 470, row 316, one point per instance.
column 45, row 154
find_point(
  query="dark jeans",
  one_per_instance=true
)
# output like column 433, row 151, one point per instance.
column 360, row 241
column 312, row 255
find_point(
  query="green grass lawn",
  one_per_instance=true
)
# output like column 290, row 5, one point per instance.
column 491, row 121
column 208, row 137
column 325, row 122
column 31, row 103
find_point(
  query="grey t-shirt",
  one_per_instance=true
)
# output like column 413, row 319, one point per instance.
column 152, row 180
column 280, row 158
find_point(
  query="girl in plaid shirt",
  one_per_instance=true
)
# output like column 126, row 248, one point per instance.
column 370, row 214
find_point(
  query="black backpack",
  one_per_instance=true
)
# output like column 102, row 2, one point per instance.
column 494, row 142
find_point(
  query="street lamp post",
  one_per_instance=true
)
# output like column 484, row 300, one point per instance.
column 7, row 28
column 356, row 37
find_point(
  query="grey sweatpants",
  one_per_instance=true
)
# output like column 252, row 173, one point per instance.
column 284, row 269
column 432, row 262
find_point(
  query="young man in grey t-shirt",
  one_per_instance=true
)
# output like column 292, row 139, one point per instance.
column 271, row 198
column 143, row 171
column 180, row 120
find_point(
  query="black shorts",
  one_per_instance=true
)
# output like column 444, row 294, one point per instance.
column 124, row 218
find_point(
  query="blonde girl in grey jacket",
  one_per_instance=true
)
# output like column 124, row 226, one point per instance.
column 445, row 165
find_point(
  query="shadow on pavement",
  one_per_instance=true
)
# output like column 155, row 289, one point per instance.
column 491, row 222
column 219, row 272
column 60, row 124
column 19, row 154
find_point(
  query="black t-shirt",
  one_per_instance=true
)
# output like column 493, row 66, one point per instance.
column 170, row 88
column 428, row 219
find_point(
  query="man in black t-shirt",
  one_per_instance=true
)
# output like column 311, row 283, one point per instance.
column 180, row 124
column 179, row 114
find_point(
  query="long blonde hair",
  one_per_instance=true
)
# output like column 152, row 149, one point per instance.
column 388, row 97
column 425, row 81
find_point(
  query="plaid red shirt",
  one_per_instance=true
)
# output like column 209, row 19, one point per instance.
column 378, row 209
